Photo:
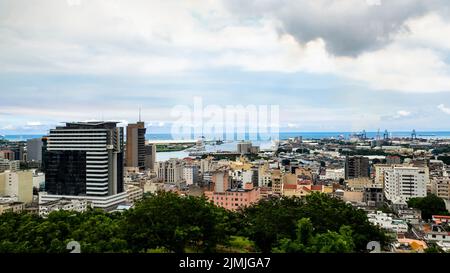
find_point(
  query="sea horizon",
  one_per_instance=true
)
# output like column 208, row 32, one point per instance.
column 282, row 135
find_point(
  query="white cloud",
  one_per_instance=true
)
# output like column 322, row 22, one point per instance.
column 444, row 109
column 34, row 123
column 403, row 113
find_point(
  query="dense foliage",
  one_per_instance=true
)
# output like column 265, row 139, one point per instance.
column 270, row 221
column 430, row 205
column 169, row 223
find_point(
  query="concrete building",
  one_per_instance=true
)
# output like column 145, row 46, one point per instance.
column 353, row 196
column 170, row 171
column 153, row 187
column 393, row 160
column 264, row 175
column 207, row 165
column 231, row 198
column 379, row 172
column 17, row 184
column 134, row 193
column 404, row 183
column 191, row 174
column 135, row 145
column 84, row 161
column 7, row 154
column 9, row 165
column 244, row 147
column 38, row 180
column 333, row 174
column 358, row 184
column 440, row 186
column 356, row 166
column 373, row 195
column 34, row 149
column 150, row 156
column 11, row 206
column 63, row 204
column 277, row 183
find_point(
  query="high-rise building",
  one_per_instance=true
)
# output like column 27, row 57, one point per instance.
column 356, row 166
column 402, row 183
column 135, row 150
column 17, row 184
column 150, row 156
column 34, row 149
column 84, row 160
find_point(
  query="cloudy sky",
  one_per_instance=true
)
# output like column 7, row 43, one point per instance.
column 343, row 65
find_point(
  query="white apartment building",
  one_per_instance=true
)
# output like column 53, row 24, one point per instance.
column 190, row 174
column 333, row 174
column 404, row 183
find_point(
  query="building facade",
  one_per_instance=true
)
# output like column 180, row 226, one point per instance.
column 84, row 160
column 34, row 149
column 191, row 174
column 135, row 145
column 170, row 171
column 404, row 183
column 356, row 166
column 17, row 184
column 440, row 186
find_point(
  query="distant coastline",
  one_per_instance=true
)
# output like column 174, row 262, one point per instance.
column 284, row 135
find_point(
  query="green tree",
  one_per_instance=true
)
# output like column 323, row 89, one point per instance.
column 270, row 221
column 176, row 223
column 306, row 242
column 429, row 206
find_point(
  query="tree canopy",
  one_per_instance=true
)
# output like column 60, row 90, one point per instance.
column 166, row 222
column 430, row 205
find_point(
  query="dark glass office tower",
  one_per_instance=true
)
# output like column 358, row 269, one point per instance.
column 84, row 159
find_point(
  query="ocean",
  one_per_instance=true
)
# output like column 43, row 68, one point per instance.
column 264, row 144
column 282, row 135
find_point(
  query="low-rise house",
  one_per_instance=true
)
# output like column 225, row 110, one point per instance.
column 77, row 205
column 387, row 222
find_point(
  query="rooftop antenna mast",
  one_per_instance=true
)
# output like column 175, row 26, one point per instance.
column 140, row 114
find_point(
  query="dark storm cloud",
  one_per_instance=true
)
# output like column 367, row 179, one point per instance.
column 349, row 27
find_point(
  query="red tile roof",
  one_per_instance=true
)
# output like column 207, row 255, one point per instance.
column 306, row 189
column 441, row 216
column 316, row 187
column 290, row 186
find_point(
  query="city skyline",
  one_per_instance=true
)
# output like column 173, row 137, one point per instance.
column 372, row 64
